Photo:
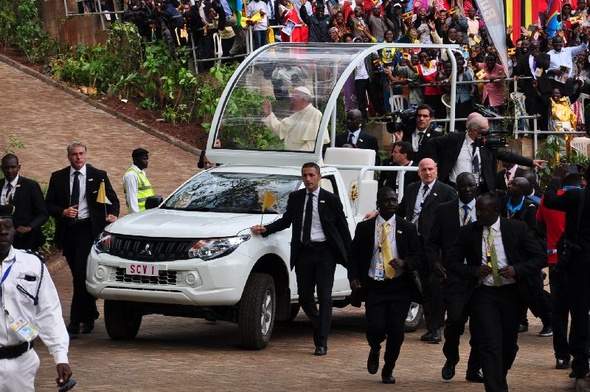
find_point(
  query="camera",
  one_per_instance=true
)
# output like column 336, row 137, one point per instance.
column 566, row 249
column 67, row 386
column 493, row 140
column 400, row 119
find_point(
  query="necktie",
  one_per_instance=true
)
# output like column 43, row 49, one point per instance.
column 350, row 138
column 507, row 177
column 75, row 196
column 420, row 137
column 466, row 218
column 475, row 160
column 8, row 195
column 307, row 219
column 493, row 257
column 386, row 251
column 424, row 192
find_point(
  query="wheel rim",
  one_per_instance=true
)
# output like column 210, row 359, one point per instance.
column 413, row 312
column 266, row 314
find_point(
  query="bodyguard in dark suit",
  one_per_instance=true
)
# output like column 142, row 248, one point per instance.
column 355, row 137
column 419, row 207
column 502, row 178
column 30, row 210
column 320, row 240
column 401, row 155
column 449, row 217
column 457, row 153
column 79, row 218
column 382, row 259
column 418, row 132
column 494, row 256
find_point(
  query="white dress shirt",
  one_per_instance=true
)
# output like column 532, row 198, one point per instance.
column 500, row 253
column 317, row 232
column 83, row 211
column 5, row 195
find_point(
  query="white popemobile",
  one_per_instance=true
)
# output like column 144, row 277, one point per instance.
column 194, row 255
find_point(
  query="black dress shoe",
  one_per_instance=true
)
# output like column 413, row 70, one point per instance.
column 579, row 376
column 387, row 378
column 522, row 328
column 435, row 337
column 562, row 363
column 373, row 362
column 448, row 371
column 86, row 328
column 474, row 376
column 73, row 328
column 427, row 337
column 319, row 350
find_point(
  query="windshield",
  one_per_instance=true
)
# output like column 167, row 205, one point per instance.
column 234, row 192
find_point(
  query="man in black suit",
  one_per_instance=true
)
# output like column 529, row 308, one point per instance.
column 534, row 65
column 356, row 138
column 382, row 259
column 418, row 132
column 401, row 155
column 504, row 176
column 461, row 152
column 319, row 240
column 30, row 210
column 72, row 199
column 494, row 256
column 419, row 207
column 449, row 217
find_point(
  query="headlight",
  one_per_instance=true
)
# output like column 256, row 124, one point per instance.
column 103, row 243
column 212, row 248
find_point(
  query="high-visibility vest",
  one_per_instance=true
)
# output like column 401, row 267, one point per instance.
column 144, row 188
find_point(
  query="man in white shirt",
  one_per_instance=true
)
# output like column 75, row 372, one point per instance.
column 561, row 66
column 260, row 29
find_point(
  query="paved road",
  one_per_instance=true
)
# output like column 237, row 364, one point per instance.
column 176, row 354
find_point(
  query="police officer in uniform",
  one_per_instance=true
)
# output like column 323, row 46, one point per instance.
column 136, row 185
column 30, row 308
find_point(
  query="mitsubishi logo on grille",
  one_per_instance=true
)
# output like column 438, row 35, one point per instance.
column 147, row 251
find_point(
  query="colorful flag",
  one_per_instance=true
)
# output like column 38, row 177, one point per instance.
column 102, row 194
column 269, row 200
column 553, row 23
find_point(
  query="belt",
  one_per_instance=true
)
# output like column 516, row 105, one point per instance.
column 11, row 352
column 81, row 221
column 313, row 244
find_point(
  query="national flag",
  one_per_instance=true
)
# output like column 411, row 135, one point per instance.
column 553, row 24
column 269, row 200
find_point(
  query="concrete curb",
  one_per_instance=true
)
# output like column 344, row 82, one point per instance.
column 82, row 97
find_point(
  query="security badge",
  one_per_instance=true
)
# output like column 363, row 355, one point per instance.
column 24, row 329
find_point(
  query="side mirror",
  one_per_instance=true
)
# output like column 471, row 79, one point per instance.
column 153, row 202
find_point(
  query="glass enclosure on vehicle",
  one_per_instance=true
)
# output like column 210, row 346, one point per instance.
column 234, row 193
column 283, row 101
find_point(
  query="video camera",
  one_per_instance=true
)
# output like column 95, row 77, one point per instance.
column 400, row 119
column 494, row 140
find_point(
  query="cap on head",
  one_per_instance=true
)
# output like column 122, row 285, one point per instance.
column 138, row 152
column 6, row 211
column 397, row 5
column 303, row 90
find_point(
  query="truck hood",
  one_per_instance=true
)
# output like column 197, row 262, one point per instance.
column 186, row 224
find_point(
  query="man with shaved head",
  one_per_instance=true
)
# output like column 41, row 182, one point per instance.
column 419, row 207
column 462, row 152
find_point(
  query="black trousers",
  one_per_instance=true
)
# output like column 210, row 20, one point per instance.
column 315, row 269
column 454, row 300
column 578, row 296
column 77, row 243
column 495, row 315
column 560, row 309
column 386, row 307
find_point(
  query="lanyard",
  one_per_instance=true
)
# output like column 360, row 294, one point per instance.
column 467, row 218
column 7, row 272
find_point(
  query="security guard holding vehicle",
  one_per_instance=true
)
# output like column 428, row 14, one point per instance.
column 29, row 307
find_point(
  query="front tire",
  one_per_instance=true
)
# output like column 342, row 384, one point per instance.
column 121, row 319
column 256, row 315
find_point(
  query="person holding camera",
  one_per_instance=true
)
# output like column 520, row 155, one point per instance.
column 573, row 251
column 469, row 151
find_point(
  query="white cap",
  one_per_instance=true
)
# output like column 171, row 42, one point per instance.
column 303, row 89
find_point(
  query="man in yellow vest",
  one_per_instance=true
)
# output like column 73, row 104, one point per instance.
column 136, row 185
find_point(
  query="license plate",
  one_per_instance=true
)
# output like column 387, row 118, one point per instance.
column 142, row 269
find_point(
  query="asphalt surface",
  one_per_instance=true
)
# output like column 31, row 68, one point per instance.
column 178, row 354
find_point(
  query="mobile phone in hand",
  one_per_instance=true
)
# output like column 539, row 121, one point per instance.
column 65, row 387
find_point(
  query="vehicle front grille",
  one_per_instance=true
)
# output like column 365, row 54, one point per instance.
column 149, row 249
column 163, row 278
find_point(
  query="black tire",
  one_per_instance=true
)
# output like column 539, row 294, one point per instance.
column 256, row 316
column 414, row 316
column 121, row 319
